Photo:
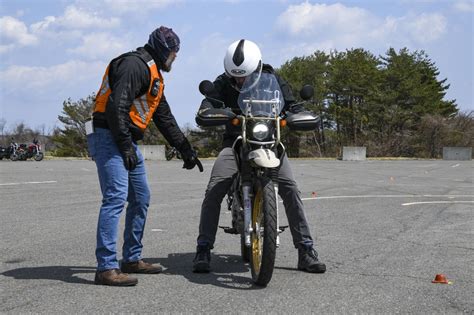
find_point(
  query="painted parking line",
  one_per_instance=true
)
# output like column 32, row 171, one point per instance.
column 29, row 183
column 388, row 196
column 435, row 202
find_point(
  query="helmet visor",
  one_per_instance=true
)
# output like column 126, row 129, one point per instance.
column 244, row 84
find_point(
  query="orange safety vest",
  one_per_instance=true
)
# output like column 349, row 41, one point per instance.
column 144, row 106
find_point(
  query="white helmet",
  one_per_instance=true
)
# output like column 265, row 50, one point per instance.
column 243, row 58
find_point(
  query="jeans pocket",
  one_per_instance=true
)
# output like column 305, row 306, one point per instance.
column 91, row 145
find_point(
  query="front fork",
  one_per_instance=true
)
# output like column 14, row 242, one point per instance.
column 247, row 198
column 278, row 216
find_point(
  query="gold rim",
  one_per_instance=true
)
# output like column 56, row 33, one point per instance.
column 256, row 236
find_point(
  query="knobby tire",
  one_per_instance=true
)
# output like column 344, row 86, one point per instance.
column 262, row 263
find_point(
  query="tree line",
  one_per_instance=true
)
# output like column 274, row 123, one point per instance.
column 393, row 104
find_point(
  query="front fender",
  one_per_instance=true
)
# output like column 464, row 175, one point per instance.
column 264, row 158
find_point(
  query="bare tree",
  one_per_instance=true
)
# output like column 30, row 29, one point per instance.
column 3, row 123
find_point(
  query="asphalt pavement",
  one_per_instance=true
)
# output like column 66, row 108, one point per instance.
column 384, row 229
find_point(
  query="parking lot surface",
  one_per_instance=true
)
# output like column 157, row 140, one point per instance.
column 384, row 229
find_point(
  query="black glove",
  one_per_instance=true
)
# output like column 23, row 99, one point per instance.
column 130, row 158
column 191, row 160
column 296, row 108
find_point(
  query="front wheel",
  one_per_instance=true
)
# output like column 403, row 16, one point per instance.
column 39, row 156
column 14, row 157
column 264, row 234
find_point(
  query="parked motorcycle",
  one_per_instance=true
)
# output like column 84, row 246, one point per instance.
column 9, row 152
column 172, row 153
column 253, row 196
column 33, row 150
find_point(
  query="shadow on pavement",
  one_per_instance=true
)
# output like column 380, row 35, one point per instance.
column 287, row 268
column 59, row 273
column 223, row 270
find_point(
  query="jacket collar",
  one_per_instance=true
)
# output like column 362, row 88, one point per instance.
column 154, row 55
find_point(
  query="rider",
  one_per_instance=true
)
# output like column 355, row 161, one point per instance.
column 243, row 58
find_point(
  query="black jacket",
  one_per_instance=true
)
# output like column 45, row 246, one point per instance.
column 229, row 96
column 129, row 78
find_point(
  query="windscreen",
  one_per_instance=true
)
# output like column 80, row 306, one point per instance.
column 262, row 98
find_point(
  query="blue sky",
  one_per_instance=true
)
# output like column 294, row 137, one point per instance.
column 53, row 50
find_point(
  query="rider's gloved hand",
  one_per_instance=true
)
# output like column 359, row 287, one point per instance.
column 296, row 108
column 130, row 158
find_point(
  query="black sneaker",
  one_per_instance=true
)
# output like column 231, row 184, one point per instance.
column 308, row 260
column 202, row 259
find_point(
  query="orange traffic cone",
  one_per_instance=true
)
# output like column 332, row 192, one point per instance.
column 440, row 278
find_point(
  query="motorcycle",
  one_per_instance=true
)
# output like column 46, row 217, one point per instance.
column 171, row 153
column 253, row 196
column 9, row 152
column 33, row 150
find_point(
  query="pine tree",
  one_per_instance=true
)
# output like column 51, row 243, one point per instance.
column 71, row 139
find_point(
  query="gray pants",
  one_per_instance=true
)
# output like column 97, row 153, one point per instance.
column 219, row 184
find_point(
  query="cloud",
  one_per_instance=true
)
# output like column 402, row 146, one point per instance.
column 100, row 45
column 464, row 6
column 425, row 27
column 43, row 25
column 6, row 48
column 79, row 18
column 35, row 94
column 308, row 19
column 14, row 33
column 36, row 79
column 127, row 6
column 75, row 18
column 347, row 27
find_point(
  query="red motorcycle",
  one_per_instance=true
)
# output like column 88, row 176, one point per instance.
column 33, row 150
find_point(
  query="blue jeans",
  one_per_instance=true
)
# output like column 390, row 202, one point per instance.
column 118, row 186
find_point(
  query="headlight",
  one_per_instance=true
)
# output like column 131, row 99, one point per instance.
column 260, row 131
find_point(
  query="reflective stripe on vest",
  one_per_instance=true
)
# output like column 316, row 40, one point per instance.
column 144, row 106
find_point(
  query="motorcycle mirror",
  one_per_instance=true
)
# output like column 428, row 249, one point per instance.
column 206, row 87
column 307, row 92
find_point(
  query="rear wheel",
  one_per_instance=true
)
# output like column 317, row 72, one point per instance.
column 14, row 157
column 264, row 234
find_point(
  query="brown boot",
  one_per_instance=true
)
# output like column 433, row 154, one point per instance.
column 141, row 267
column 114, row 277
